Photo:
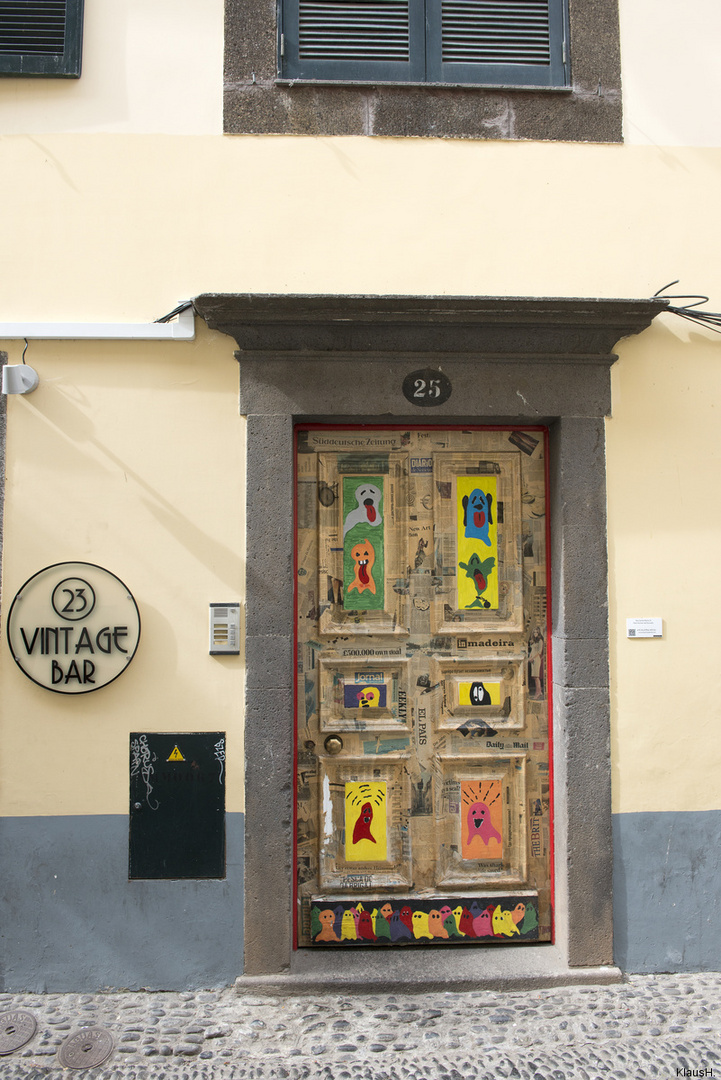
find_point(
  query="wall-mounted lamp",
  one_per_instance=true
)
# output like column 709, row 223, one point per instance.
column 19, row 379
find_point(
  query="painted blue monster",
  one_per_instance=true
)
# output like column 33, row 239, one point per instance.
column 478, row 515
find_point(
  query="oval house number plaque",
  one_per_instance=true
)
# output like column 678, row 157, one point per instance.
column 73, row 627
column 427, row 387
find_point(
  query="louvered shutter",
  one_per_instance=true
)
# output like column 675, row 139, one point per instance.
column 491, row 42
column 358, row 40
column 497, row 42
column 41, row 37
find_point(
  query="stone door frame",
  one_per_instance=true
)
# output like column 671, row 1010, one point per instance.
column 342, row 359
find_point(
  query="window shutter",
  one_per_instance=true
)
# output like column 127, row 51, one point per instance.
column 41, row 37
column 339, row 30
column 495, row 31
column 485, row 42
column 497, row 42
column 357, row 40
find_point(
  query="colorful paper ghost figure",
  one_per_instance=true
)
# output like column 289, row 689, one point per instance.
column 326, row 919
column 450, row 926
column 348, row 930
column 518, row 912
column 482, row 925
column 530, row 920
column 407, row 917
column 381, row 927
column 420, row 926
column 479, row 823
column 489, row 911
column 364, row 556
column 399, row 930
column 362, row 828
column 478, row 515
column 367, row 512
column 477, row 570
column 365, row 927
column 435, row 924
column 503, row 923
column 465, row 924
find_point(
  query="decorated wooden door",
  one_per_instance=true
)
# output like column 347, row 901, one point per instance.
column 423, row 785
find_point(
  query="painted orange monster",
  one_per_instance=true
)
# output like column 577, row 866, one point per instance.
column 363, row 555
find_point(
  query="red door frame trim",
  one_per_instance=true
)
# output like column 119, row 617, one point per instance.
column 308, row 426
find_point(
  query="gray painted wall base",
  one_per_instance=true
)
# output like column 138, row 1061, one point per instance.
column 667, row 891
column 70, row 920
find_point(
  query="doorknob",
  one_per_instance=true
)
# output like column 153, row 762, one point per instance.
column 333, row 744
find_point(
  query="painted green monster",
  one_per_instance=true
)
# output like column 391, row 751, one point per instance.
column 530, row 920
column 477, row 570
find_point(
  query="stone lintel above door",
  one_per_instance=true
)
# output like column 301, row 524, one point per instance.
column 394, row 327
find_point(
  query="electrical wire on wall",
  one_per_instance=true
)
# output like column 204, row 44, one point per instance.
column 176, row 311
column 712, row 319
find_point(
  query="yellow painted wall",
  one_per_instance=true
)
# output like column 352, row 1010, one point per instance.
column 664, row 458
column 121, row 197
column 156, row 66
column 130, row 456
column 124, row 227
column 148, row 66
column 671, row 73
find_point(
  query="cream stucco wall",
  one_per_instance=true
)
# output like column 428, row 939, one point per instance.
column 671, row 73
column 122, row 227
column 155, row 66
column 148, row 66
column 130, row 456
column 122, row 197
column 664, row 460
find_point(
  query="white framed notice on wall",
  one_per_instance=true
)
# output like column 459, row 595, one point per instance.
column 644, row 628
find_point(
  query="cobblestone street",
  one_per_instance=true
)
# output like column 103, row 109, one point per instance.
column 657, row 1027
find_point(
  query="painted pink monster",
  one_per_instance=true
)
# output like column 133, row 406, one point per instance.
column 479, row 823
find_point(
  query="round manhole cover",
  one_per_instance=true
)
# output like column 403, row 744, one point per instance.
column 16, row 1028
column 86, row 1048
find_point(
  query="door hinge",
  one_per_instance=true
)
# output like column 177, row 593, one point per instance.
column 282, row 44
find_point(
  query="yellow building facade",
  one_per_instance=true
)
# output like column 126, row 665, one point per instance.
column 126, row 193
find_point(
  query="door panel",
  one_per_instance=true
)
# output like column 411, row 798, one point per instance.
column 372, row 697
column 364, row 824
column 363, row 540
column 424, row 800
column 477, row 520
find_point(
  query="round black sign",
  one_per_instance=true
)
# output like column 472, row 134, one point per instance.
column 427, row 387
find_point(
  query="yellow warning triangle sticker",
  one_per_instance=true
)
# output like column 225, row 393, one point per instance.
column 176, row 754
